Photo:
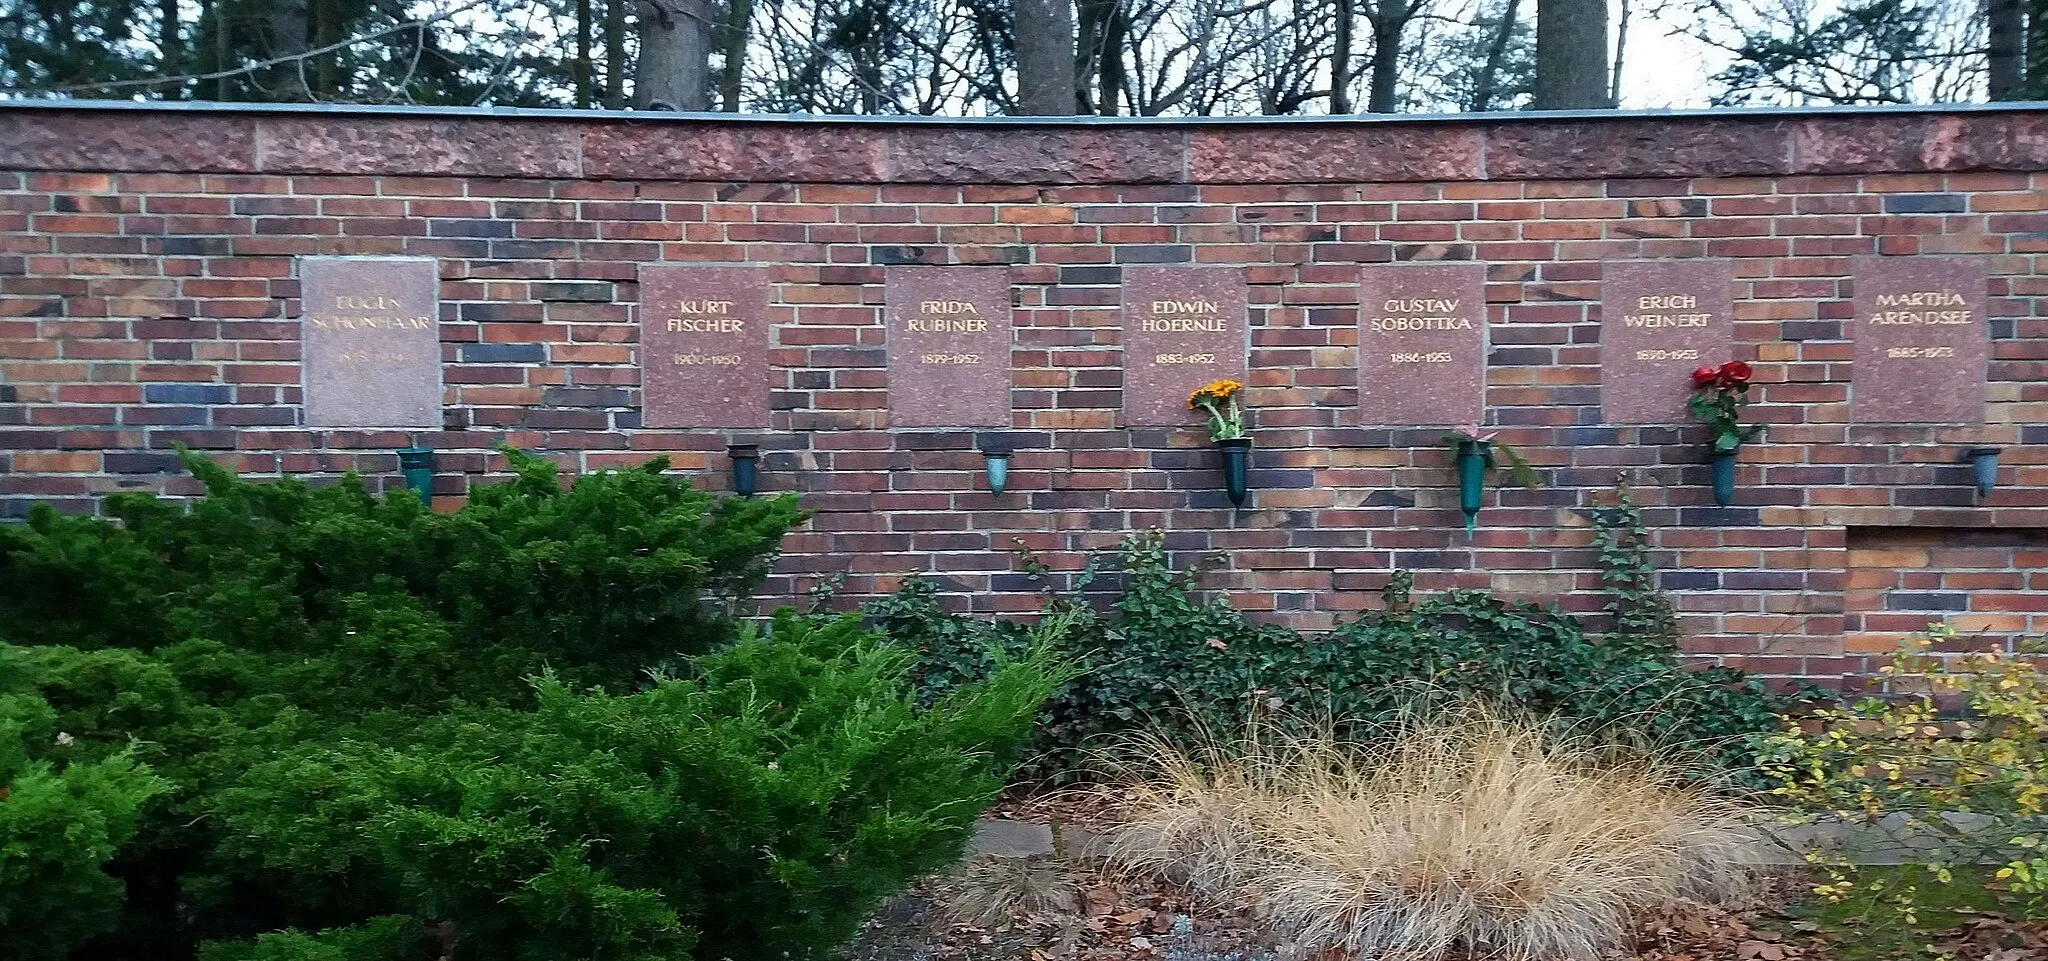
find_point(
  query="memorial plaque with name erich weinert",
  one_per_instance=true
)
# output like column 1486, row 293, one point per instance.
column 1923, row 342
column 1422, row 345
column 1659, row 322
column 704, row 346
column 370, row 337
column 1183, row 327
column 949, row 346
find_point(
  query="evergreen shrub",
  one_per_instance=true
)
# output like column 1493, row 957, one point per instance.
column 1164, row 656
column 311, row 724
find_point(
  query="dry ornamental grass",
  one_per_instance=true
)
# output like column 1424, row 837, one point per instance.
column 1477, row 835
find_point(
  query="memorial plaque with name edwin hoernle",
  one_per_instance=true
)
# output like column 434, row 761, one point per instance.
column 1660, row 321
column 949, row 346
column 370, row 339
column 1422, row 345
column 1923, row 342
column 1183, row 327
column 704, row 346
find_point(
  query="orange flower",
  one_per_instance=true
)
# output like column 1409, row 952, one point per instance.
column 1216, row 390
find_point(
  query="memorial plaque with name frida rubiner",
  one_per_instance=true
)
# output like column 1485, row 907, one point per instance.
column 1659, row 322
column 949, row 346
column 1923, row 342
column 1183, row 327
column 370, row 337
column 704, row 346
column 1422, row 345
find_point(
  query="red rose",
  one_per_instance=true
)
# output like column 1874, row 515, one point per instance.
column 1736, row 372
column 1704, row 376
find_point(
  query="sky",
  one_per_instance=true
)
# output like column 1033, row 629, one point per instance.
column 1662, row 68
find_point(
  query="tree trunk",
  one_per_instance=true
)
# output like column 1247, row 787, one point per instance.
column 171, row 46
column 1496, row 54
column 614, row 54
column 1045, row 57
column 1387, row 24
column 213, row 22
column 288, row 39
column 1088, row 51
column 739, row 19
column 2004, row 54
column 1340, row 59
column 674, row 72
column 327, row 31
column 1571, row 54
column 581, row 67
column 1111, row 88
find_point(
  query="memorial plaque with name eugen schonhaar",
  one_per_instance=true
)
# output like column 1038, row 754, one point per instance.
column 1183, row 327
column 1422, row 345
column 949, row 346
column 704, row 337
column 370, row 337
column 1923, row 342
column 1660, row 321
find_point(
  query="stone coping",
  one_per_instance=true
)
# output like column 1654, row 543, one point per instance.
column 376, row 141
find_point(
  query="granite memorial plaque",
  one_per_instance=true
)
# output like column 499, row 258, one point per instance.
column 1183, row 327
column 1659, row 321
column 704, row 346
column 1923, row 342
column 1422, row 345
column 370, row 337
column 949, row 346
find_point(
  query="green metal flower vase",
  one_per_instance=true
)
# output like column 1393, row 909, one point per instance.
column 1237, row 453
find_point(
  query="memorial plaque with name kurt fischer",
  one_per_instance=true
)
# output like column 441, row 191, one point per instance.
column 1660, row 321
column 370, row 334
column 949, row 346
column 704, row 346
column 1183, row 327
column 1422, row 345
column 1923, row 342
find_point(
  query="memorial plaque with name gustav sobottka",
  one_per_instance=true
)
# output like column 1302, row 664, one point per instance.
column 704, row 346
column 1422, row 345
column 1183, row 327
column 949, row 346
column 370, row 337
column 1659, row 322
column 1923, row 341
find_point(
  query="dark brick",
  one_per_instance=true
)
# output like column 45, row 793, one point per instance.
column 1926, row 203
column 503, row 353
column 469, row 228
column 1155, row 254
column 138, row 462
column 1925, row 601
column 585, row 396
column 575, row 291
column 1689, row 580
column 906, row 255
column 1079, row 275
column 188, row 393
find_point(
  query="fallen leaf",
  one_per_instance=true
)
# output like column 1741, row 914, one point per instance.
column 1760, row 951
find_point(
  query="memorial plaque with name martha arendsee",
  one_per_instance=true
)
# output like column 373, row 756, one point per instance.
column 704, row 346
column 1183, row 327
column 1422, row 345
column 370, row 337
column 949, row 346
column 1660, row 321
column 1923, row 342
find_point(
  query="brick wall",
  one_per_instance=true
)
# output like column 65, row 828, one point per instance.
column 147, row 298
